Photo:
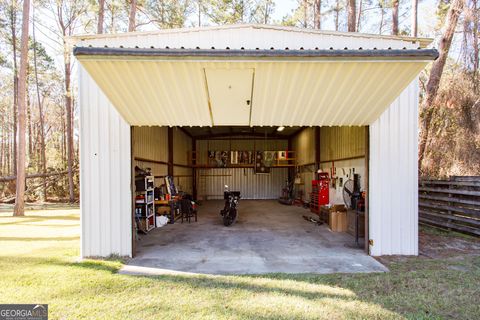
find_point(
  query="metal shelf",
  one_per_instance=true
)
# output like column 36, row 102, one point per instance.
column 147, row 207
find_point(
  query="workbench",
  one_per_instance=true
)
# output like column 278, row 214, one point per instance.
column 172, row 205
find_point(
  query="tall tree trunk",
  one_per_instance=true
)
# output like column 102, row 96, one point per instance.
column 305, row 13
column 395, row 17
column 433, row 83
column 101, row 16
column 337, row 14
column 13, row 26
column 7, row 154
column 19, row 209
column 318, row 14
column 68, row 120
column 2, row 145
column 199, row 2
column 382, row 18
column 131, row 17
column 475, row 45
column 43, row 156
column 414, row 18
column 30, row 133
column 359, row 15
column 352, row 15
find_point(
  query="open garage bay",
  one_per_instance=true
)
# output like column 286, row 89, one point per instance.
column 267, row 238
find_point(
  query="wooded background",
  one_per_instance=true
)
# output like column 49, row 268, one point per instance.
column 38, row 107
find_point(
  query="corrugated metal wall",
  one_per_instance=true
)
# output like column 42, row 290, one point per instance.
column 105, row 174
column 341, row 142
column 251, row 185
column 393, row 178
column 344, row 169
column 304, row 145
column 182, row 146
column 151, row 143
column 210, row 182
column 335, row 143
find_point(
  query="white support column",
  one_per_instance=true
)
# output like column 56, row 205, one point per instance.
column 393, row 178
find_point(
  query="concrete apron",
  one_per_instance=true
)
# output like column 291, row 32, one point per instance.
column 267, row 238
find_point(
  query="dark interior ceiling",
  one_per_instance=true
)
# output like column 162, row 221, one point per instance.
column 233, row 131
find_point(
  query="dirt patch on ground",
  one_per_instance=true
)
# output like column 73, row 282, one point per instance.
column 439, row 244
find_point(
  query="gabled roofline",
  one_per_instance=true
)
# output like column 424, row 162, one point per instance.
column 423, row 42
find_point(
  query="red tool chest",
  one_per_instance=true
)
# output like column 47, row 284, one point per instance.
column 320, row 192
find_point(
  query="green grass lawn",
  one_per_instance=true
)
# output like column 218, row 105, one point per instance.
column 38, row 264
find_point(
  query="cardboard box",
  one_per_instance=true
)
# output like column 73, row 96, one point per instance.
column 338, row 207
column 338, row 221
column 351, row 223
column 325, row 211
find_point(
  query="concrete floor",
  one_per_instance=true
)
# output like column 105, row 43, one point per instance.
column 267, row 238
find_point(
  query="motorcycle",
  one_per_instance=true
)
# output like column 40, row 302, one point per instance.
column 229, row 212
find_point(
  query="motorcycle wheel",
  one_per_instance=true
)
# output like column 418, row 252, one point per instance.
column 230, row 218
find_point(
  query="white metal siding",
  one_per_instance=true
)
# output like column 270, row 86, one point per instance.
column 393, row 177
column 247, row 36
column 105, row 174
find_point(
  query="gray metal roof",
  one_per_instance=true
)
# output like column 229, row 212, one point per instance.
column 414, row 54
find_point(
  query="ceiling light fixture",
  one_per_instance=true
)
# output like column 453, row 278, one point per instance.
column 280, row 129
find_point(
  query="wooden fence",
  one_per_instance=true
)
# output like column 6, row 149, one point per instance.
column 452, row 204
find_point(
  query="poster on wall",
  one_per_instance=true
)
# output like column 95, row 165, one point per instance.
column 260, row 163
column 218, row 158
column 234, row 157
column 222, row 159
column 245, row 157
column 268, row 158
column 282, row 155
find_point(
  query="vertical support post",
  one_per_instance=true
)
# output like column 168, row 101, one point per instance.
column 194, row 170
column 132, row 188
column 367, row 191
column 317, row 150
column 170, row 151
column 291, row 173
